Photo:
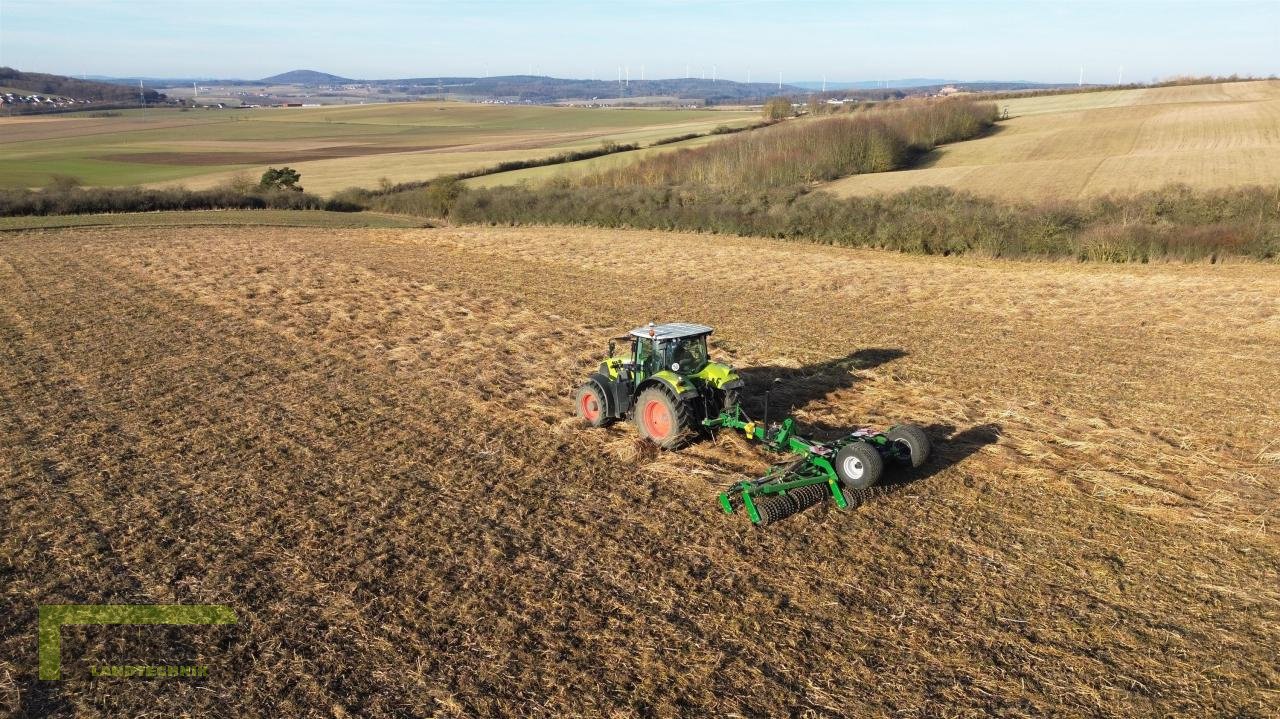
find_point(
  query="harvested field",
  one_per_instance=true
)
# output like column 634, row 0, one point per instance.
column 1096, row 143
column 359, row 440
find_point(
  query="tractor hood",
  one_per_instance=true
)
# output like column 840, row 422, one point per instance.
column 717, row 375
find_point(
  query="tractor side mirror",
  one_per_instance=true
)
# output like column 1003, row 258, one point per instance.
column 612, row 346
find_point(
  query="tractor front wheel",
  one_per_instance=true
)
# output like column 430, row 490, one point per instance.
column 661, row 419
column 858, row 465
column 588, row 403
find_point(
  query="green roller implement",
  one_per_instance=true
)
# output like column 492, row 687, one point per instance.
column 667, row 384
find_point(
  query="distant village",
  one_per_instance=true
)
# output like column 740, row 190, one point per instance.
column 34, row 101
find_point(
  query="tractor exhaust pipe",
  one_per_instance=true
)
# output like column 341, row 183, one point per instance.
column 767, row 392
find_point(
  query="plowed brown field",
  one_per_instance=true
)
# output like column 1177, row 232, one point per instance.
column 359, row 441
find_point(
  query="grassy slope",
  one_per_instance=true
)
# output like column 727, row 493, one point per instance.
column 403, row 141
column 574, row 170
column 360, row 441
column 1067, row 146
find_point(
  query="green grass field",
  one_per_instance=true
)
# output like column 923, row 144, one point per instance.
column 334, row 147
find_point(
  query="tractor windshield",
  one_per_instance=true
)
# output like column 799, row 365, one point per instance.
column 690, row 353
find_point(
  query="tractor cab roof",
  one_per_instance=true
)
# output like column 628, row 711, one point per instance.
column 671, row 331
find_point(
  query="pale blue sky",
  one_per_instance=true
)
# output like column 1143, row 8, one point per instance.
column 1041, row 41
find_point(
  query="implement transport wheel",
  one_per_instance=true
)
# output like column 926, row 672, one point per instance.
column 858, row 465
column 588, row 403
column 661, row 419
column 910, row 443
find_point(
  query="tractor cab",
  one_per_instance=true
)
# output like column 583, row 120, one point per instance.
column 678, row 348
column 667, row 382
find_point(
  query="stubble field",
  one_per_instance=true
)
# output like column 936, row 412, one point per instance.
column 360, row 441
column 1123, row 141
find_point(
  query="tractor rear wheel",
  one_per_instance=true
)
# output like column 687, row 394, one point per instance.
column 858, row 465
column 662, row 419
column 588, row 403
column 911, row 443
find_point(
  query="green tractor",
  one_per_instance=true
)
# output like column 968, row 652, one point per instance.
column 666, row 383
column 669, row 386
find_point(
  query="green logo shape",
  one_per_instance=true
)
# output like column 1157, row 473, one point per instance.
column 53, row 616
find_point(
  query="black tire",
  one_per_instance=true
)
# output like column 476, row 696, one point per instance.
column 858, row 465
column 654, row 403
column 589, row 398
column 911, row 443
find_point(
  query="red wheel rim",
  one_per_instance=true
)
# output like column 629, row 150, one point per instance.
column 590, row 407
column 657, row 420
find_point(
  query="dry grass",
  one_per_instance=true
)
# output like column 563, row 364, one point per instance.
column 359, row 440
column 1090, row 144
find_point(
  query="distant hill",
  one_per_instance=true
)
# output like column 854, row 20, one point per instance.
column 62, row 86
column 305, row 77
column 539, row 89
column 874, row 84
column 928, row 83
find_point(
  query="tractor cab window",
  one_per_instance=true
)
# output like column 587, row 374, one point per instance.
column 690, row 353
column 646, row 359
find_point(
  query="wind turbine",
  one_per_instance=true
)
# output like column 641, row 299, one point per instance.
column 1081, row 82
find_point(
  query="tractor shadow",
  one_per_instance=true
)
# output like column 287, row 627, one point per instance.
column 798, row 386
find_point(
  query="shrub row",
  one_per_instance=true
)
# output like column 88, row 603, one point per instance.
column 607, row 147
column 1173, row 223
column 810, row 150
column 77, row 201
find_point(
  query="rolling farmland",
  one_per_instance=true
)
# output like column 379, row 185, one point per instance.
column 333, row 147
column 361, row 440
column 1123, row 141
